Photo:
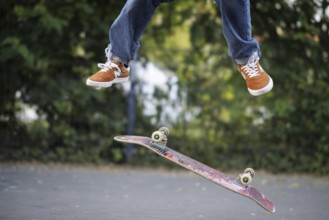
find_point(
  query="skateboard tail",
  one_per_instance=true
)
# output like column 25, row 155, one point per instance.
column 261, row 200
column 127, row 139
column 251, row 193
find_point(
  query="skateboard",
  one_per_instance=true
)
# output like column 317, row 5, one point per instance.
column 241, row 184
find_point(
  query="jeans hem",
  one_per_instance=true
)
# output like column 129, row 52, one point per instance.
column 243, row 61
column 111, row 56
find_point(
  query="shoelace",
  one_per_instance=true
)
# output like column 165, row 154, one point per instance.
column 105, row 67
column 251, row 68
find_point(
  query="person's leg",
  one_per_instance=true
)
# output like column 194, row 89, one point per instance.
column 128, row 28
column 236, row 22
column 125, row 33
column 244, row 50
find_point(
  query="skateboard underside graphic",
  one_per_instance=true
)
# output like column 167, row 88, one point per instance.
column 241, row 184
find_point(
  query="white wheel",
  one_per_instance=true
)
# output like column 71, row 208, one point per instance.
column 245, row 179
column 165, row 130
column 157, row 136
column 249, row 170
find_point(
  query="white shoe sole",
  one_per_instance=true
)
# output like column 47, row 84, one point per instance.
column 262, row 91
column 106, row 84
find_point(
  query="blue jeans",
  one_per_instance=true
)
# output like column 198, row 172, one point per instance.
column 129, row 26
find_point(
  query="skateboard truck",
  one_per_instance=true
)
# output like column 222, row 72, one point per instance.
column 247, row 176
column 159, row 137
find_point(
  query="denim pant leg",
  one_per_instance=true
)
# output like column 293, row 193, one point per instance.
column 129, row 26
column 236, row 22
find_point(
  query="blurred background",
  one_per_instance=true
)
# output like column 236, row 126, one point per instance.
column 182, row 79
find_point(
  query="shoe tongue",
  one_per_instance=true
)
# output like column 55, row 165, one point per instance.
column 119, row 64
column 115, row 61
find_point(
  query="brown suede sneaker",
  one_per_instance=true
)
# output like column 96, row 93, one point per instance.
column 258, row 81
column 111, row 72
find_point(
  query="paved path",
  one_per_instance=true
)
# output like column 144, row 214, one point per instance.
column 61, row 192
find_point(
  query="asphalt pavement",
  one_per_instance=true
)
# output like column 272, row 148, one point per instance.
column 34, row 191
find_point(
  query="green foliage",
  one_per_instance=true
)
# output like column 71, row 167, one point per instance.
column 45, row 58
column 285, row 130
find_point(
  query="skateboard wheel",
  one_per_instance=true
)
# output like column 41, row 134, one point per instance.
column 249, row 170
column 157, row 136
column 164, row 130
column 245, row 179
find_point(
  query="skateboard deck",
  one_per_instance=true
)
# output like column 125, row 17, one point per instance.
column 203, row 170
